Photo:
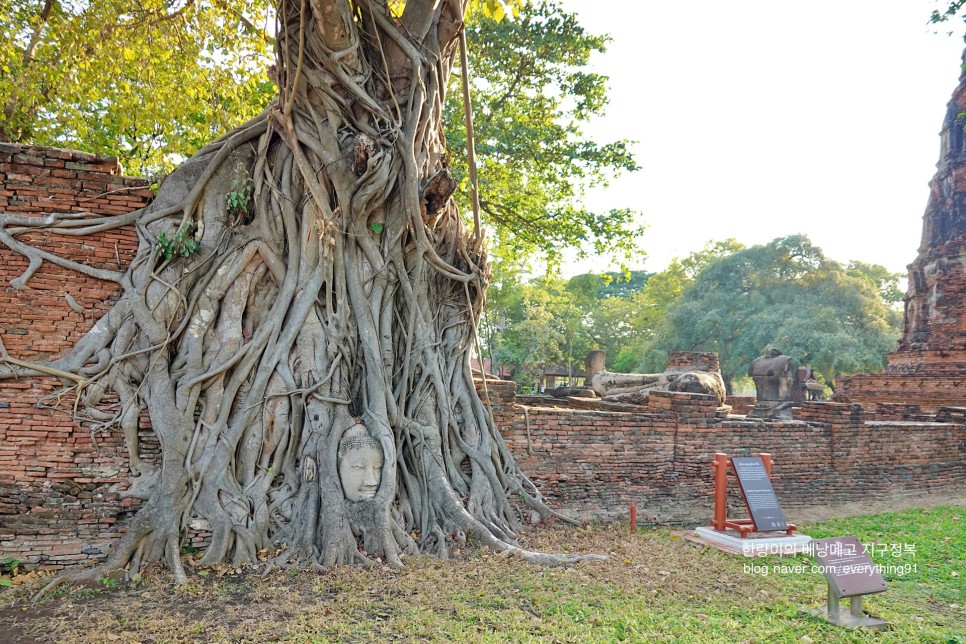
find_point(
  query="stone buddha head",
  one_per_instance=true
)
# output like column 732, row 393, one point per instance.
column 360, row 463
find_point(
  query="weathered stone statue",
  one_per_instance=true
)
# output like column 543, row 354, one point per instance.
column 360, row 463
column 635, row 388
column 810, row 387
column 775, row 377
column 593, row 363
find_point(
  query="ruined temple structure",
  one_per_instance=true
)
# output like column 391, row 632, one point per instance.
column 928, row 369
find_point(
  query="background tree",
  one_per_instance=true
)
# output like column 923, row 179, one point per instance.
column 947, row 10
column 724, row 298
column 785, row 293
column 531, row 97
column 533, row 338
column 643, row 311
column 552, row 322
column 150, row 81
column 340, row 302
column 885, row 282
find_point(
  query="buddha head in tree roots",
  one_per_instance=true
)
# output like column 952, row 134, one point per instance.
column 360, row 463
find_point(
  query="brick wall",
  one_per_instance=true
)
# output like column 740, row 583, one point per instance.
column 740, row 405
column 929, row 390
column 596, row 463
column 56, row 504
column 693, row 361
column 38, row 322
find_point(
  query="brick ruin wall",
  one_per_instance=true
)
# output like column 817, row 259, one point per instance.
column 929, row 390
column 597, row 463
column 59, row 484
column 55, row 501
column 929, row 365
column 692, row 361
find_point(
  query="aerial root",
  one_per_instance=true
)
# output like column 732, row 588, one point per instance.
column 87, row 577
column 540, row 558
column 545, row 511
column 549, row 559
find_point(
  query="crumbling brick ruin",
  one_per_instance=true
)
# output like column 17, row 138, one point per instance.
column 596, row 462
column 55, row 502
column 59, row 480
column 929, row 367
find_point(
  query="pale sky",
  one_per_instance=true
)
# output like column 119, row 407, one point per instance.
column 761, row 118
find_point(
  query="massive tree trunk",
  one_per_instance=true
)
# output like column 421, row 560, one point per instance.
column 305, row 288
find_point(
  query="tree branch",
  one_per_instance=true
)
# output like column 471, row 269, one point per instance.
column 417, row 18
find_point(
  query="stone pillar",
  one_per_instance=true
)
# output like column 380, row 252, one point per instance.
column 593, row 364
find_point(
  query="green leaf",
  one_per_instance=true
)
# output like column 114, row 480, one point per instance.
column 376, row 227
column 136, row 84
column 6, row 582
column 532, row 96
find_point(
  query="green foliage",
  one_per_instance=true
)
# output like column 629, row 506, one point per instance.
column 532, row 95
column 182, row 244
column 530, row 336
column 785, row 293
column 10, row 566
column 952, row 9
column 553, row 322
column 496, row 10
column 149, row 81
column 885, row 282
column 238, row 199
column 723, row 298
column 155, row 182
column 624, row 327
column 614, row 284
column 153, row 81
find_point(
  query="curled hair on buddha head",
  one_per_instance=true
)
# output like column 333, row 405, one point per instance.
column 355, row 437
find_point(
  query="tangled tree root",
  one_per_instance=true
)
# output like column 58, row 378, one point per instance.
column 348, row 293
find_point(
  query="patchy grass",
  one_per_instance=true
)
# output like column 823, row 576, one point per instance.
column 654, row 588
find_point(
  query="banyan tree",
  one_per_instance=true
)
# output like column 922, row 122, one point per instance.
column 298, row 320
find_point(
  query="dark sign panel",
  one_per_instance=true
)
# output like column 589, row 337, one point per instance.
column 847, row 566
column 758, row 493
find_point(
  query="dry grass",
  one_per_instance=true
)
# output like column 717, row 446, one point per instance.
column 653, row 588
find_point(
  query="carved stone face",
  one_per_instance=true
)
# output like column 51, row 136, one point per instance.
column 360, row 471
